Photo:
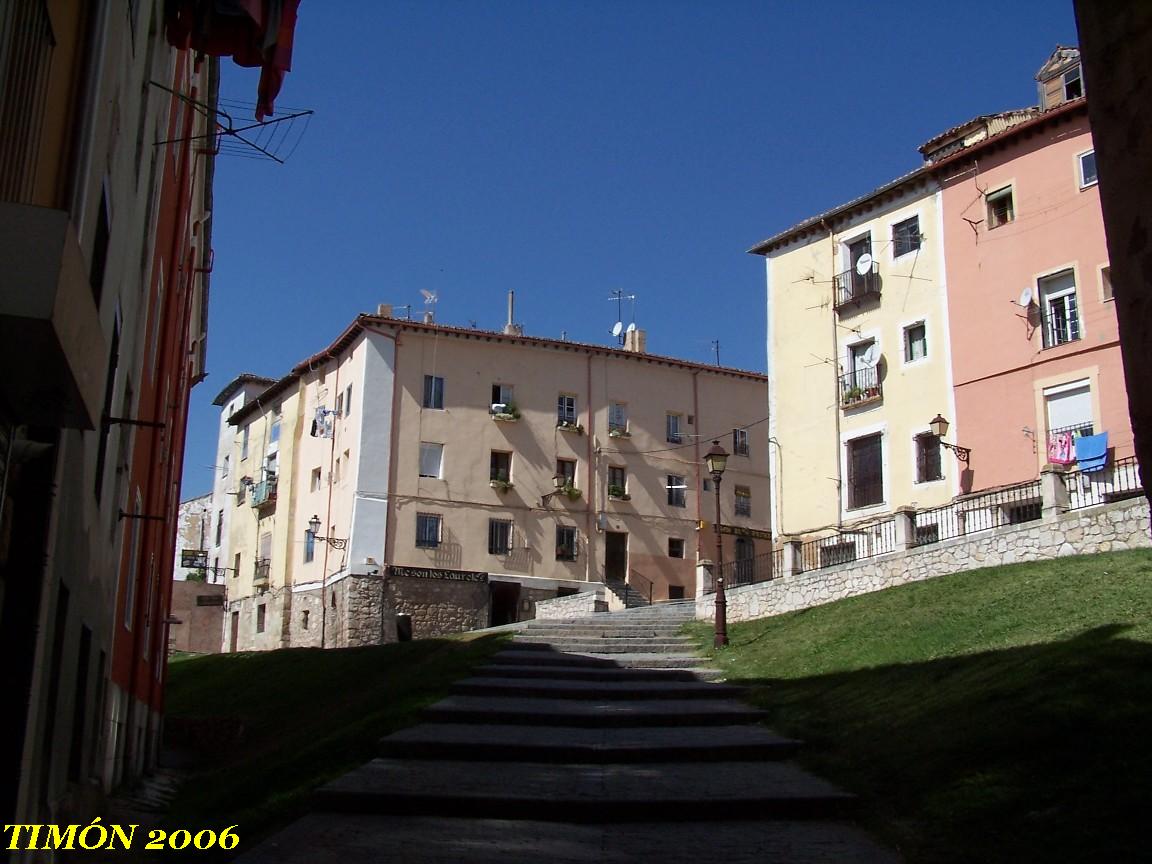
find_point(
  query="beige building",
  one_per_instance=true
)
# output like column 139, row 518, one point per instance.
column 859, row 360
column 458, row 476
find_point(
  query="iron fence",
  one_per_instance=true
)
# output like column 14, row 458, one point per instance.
column 1118, row 480
column 760, row 568
column 853, row 544
column 1012, row 505
column 852, row 286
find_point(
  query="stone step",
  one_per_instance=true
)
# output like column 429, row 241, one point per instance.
column 576, row 689
column 669, row 792
column 547, row 657
column 550, row 744
column 601, row 632
column 574, row 672
column 363, row 838
column 591, row 713
column 603, row 646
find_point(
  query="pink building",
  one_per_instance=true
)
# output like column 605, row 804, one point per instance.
column 1035, row 351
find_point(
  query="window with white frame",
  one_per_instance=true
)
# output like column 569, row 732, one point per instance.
column 1087, row 166
column 500, row 466
column 1068, row 409
column 566, row 469
column 915, row 342
column 431, row 460
column 677, row 491
column 1105, row 293
column 339, row 405
column 499, row 536
column 224, row 467
column 1000, row 207
column 739, row 442
column 348, row 401
column 618, row 417
column 314, row 480
column 1073, row 84
column 617, row 481
column 906, row 236
column 1059, row 309
column 672, row 428
column 428, row 527
column 245, row 434
column 433, row 392
column 502, row 397
column 566, row 409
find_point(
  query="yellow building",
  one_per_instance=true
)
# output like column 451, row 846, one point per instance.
column 421, row 479
column 858, row 358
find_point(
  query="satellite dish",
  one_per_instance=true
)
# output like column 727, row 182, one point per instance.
column 864, row 264
column 1025, row 297
column 632, row 327
column 869, row 357
column 617, row 328
column 429, row 296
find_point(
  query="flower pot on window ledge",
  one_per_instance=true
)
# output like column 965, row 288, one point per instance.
column 617, row 493
column 572, row 492
column 567, row 426
column 510, row 414
column 619, row 433
column 501, row 485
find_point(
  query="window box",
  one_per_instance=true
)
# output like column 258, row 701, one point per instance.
column 504, row 412
column 572, row 492
column 570, row 426
column 501, row 485
column 619, row 433
column 618, row 493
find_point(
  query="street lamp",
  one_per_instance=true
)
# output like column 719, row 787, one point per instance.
column 939, row 427
column 717, row 460
column 314, row 530
column 559, row 484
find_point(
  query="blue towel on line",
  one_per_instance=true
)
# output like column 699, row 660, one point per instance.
column 1092, row 451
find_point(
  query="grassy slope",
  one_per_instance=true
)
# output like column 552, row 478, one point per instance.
column 1002, row 714
column 271, row 726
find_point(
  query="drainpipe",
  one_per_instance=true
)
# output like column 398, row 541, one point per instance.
column 590, row 514
column 836, row 380
column 328, row 524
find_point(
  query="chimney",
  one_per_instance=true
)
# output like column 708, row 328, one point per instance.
column 512, row 328
column 384, row 310
column 636, row 340
column 429, row 318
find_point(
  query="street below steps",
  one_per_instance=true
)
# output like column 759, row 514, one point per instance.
column 600, row 739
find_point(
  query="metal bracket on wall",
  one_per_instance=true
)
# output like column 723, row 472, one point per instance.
column 151, row 424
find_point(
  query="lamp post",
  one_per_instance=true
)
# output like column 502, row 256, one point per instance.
column 939, row 427
column 717, row 460
column 335, row 543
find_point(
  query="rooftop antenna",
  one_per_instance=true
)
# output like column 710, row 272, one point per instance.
column 430, row 299
column 618, row 328
column 716, row 349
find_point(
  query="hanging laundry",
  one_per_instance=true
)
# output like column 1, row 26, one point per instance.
column 322, row 424
column 1060, row 450
column 1092, row 452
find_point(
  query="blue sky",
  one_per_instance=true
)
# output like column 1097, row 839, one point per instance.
column 570, row 149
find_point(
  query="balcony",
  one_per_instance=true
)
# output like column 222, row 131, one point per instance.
column 860, row 387
column 853, row 287
column 260, row 572
column 264, row 493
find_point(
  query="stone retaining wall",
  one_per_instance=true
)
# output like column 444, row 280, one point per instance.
column 1106, row 528
column 572, row 606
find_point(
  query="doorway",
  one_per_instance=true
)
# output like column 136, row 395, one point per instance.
column 503, row 603
column 234, row 635
column 615, row 556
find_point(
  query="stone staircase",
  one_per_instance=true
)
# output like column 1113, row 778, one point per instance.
column 601, row 739
column 629, row 596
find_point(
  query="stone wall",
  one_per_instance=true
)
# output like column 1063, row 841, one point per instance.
column 1106, row 528
column 572, row 606
column 199, row 612
column 437, row 606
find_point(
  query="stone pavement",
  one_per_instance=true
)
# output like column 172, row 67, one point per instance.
column 594, row 740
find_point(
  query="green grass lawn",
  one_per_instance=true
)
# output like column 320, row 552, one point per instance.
column 269, row 727
column 998, row 715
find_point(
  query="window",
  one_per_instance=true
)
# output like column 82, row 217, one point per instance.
column 274, row 432
column 566, row 468
column 304, row 619
column 499, row 536
column 1105, row 292
column 617, row 481
column 565, row 543
column 672, row 428
column 428, row 530
column 865, row 471
column 260, row 615
column 1000, row 209
column 915, row 342
column 1058, row 308
column 244, row 434
column 675, row 592
column 339, row 405
column 743, row 500
column 224, row 467
column 739, row 442
column 500, row 467
column 502, row 395
column 219, row 526
column 431, row 459
column 1073, row 84
column 309, row 545
column 336, row 472
column 236, row 566
column 1087, row 169
column 566, row 410
column 314, row 481
column 618, row 417
column 906, row 236
column 348, row 401
column 928, row 458
column 675, row 547
column 433, row 391
column 676, row 491
column 1069, row 410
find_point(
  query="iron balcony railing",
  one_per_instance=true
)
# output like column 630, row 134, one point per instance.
column 264, row 492
column 853, row 286
column 1116, row 481
column 860, row 387
column 260, row 570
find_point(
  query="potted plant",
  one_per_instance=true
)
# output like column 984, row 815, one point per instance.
column 619, row 432
column 501, row 482
column 570, row 426
column 572, row 492
column 618, row 493
column 509, row 414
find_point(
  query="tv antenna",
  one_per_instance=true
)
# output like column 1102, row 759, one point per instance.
column 716, row 350
column 429, row 305
column 618, row 328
